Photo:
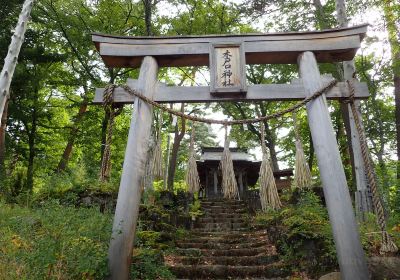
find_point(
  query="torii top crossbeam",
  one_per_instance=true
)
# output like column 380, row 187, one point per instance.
column 333, row 45
column 328, row 46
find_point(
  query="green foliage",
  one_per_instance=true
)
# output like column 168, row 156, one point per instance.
column 148, row 264
column 194, row 208
column 303, row 234
column 53, row 242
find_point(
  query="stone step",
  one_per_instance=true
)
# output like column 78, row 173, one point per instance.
column 227, row 271
column 218, row 219
column 219, row 201
column 223, row 246
column 193, row 252
column 261, row 259
column 219, row 230
column 217, row 207
column 225, row 239
column 214, row 215
column 220, row 226
column 229, row 234
column 218, row 211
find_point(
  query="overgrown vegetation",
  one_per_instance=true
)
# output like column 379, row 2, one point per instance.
column 53, row 242
column 303, row 235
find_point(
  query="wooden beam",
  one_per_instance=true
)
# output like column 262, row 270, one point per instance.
column 350, row 254
column 328, row 46
column 272, row 92
column 127, row 209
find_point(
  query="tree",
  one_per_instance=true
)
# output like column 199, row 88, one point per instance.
column 391, row 11
column 13, row 52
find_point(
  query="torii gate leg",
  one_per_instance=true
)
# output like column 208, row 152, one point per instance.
column 127, row 210
column 350, row 254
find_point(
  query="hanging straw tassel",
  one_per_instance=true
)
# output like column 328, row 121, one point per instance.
column 302, row 174
column 268, row 193
column 192, row 176
column 229, row 185
column 157, row 161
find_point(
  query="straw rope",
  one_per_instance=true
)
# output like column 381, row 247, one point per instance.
column 113, row 111
column 268, row 192
column 278, row 114
column 229, row 184
column 387, row 244
column 302, row 174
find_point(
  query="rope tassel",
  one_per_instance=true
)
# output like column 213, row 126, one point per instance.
column 229, row 184
column 192, row 176
column 158, row 171
column 113, row 112
column 302, row 174
column 268, row 192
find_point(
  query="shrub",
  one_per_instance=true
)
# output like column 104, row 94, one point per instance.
column 53, row 242
column 148, row 264
column 302, row 234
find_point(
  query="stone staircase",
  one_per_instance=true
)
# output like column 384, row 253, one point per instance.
column 223, row 246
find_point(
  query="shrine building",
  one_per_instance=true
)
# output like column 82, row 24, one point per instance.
column 246, row 170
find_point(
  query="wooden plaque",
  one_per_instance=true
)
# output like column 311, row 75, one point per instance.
column 227, row 69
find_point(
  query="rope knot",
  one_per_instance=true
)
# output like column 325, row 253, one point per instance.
column 352, row 90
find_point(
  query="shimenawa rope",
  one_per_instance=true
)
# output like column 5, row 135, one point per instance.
column 387, row 242
column 293, row 108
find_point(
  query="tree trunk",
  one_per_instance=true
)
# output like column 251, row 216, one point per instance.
column 320, row 15
column 270, row 143
column 11, row 59
column 62, row 165
column 393, row 34
column 3, row 125
column 147, row 16
column 31, row 143
column 174, row 153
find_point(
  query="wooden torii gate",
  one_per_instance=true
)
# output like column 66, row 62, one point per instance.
column 227, row 56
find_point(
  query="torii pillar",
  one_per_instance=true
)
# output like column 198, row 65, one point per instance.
column 351, row 257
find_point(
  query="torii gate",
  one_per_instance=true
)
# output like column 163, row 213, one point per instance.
column 227, row 56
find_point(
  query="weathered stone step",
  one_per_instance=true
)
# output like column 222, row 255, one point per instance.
column 221, row 202
column 218, row 219
column 226, row 239
column 229, row 207
column 217, row 252
column 215, row 215
column 231, row 278
column 223, row 211
column 227, row 271
column 225, row 260
column 228, row 234
column 223, row 246
column 220, row 226
column 219, row 230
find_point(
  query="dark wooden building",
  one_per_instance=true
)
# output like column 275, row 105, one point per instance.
column 246, row 170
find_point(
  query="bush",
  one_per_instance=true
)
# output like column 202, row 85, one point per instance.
column 148, row 264
column 302, row 234
column 53, row 242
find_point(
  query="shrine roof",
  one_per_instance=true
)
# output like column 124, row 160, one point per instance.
column 331, row 45
column 215, row 154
